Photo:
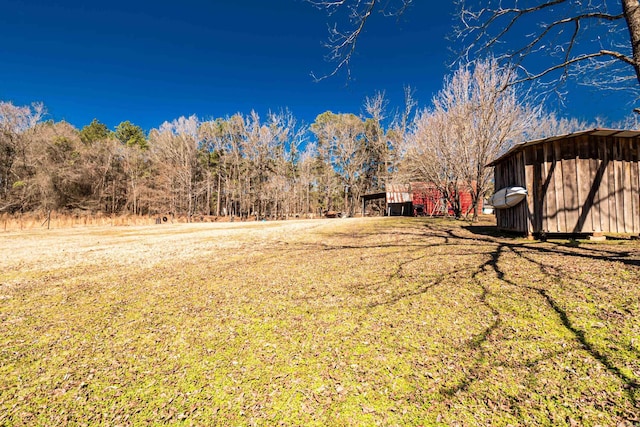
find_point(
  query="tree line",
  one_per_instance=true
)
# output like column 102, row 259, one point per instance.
column 271, row 167
column 242, row 165
column 245, row 165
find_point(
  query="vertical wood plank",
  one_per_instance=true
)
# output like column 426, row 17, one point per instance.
column 605, row 158
column 497, row 181
column 635, row 185
column 524, row 212
column 533, row 213
column 579, row 222
column 500, row 214
column 518, row 213
column 539, row 188
column 627, row 220
column 550, row 190
column 544, row 172
column 595, row 163
column 505, row 171
column 585, row 178
column 611, row 190
column 569, row 173
column 619, row 186
column 559, row 184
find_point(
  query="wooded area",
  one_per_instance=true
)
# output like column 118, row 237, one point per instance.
column 252, row 167
column 241, row 166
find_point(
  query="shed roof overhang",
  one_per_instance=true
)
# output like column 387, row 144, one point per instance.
column 374, row 196
column 596, row 132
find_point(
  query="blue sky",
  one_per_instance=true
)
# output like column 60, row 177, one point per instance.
column 151, row 61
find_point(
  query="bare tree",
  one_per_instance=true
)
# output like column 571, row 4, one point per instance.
column 263, row 147
column 597, row 42
column 255, row 162
column 342, row 143
column 174, row 147
column 57, row 171
column 378, row 146
column 342, row 42
column 234, row 131
column 217, row 138
column 431, row 154
column 547, row 125
column 64, row 177
column 398, row 132
column 16, row 125
column 475, row 118
column 284, row 181
column 307, row 179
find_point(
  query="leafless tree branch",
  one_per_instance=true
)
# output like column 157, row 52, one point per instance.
column 342, row 43
column 581, row 41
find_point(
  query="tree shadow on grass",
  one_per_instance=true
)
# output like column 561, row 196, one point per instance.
column 595, row 252
column 490, row 235
column 493, row 245
column 488, row 230
column 498, row 244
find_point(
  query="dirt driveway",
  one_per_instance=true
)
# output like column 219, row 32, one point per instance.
column 141, row 245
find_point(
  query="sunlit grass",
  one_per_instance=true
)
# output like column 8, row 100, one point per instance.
column 349, row 322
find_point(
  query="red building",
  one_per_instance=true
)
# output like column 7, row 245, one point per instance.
column 418, row 199
column 428, row 200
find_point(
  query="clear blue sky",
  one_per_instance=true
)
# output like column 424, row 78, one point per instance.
column 151, row 61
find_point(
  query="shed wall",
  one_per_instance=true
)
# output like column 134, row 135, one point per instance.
column 510, row 173
column 584, row 184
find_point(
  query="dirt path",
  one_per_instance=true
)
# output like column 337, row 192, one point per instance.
column 140, row 245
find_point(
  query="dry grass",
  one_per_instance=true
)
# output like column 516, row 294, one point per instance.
column 376, row 321
column 40, row 220
column 57, row 220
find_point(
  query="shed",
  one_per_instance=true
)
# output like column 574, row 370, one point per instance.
column 428, row 200
column 374, row 197
column 417, row 198
column 399, row 200
column 583, row 182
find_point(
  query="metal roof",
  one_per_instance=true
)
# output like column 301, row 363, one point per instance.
column 373, row 196
column 596, row 132
column 398, row 193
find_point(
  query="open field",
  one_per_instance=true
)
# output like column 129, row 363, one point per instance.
column 376, row 321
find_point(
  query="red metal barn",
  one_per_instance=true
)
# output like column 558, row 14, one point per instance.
column 418, row 198
column 428, row 200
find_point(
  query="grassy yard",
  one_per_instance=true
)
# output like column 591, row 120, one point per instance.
column 381, row 321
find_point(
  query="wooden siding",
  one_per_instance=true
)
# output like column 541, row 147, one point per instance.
column 581, row 184
column 509, row 173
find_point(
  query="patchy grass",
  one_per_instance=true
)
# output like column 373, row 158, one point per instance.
column 379, row 321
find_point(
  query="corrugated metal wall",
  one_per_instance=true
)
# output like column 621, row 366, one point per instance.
column 434, row 203
column 398, row 193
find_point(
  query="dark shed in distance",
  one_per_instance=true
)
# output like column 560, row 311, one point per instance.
column 399, row 200
column 584, row 182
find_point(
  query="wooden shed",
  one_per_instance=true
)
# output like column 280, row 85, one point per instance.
column 399, row 200
column 584, row 182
